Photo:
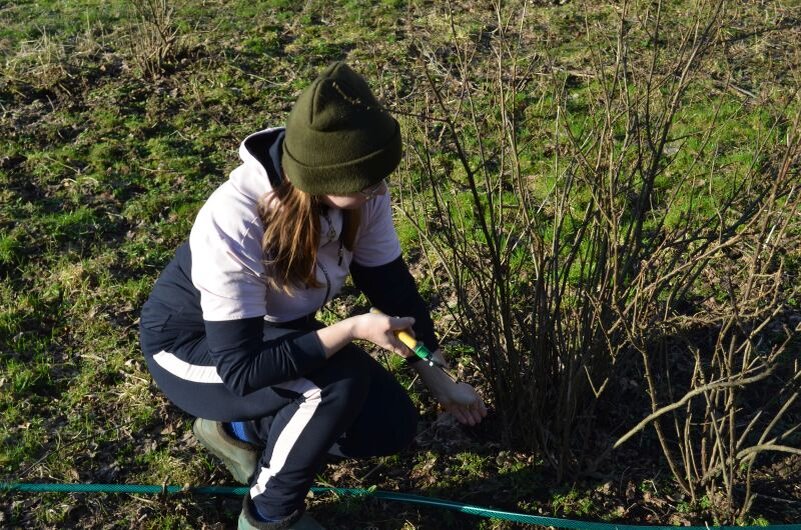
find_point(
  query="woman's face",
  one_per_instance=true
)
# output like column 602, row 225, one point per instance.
column 353, row 201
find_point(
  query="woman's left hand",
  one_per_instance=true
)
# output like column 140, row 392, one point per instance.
column 459, row 399
column 462, row 400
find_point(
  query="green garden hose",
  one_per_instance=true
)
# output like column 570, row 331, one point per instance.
column 384, row 495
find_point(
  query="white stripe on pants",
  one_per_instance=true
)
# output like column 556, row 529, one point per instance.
column 312, row 396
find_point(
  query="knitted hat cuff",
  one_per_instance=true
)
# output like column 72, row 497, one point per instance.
column 345, row 178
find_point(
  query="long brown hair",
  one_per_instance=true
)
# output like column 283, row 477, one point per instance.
column 291, row 238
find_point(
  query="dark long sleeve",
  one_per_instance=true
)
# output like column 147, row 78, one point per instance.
column 391, row 288
column 246, row 362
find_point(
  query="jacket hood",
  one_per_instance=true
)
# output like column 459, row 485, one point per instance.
column 260, row 171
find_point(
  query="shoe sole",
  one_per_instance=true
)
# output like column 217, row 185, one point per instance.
column 233, row 466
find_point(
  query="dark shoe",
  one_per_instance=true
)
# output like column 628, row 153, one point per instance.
column 297, row 521
column 239, row 457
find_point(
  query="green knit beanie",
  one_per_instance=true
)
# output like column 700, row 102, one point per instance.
column 339, row 139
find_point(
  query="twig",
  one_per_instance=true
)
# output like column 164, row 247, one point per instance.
column 739, row 382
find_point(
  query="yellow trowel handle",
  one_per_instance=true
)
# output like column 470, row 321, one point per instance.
column 404, row 336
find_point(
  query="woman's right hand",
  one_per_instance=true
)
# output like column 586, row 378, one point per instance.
column 380, row 330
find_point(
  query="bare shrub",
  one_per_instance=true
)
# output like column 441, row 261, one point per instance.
column 154, row 37
column 587, row 230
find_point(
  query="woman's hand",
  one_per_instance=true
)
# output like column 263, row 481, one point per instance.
column 459, row 399
column 380, row 330
column 463, row 402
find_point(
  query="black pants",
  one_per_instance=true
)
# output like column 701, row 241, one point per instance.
column 350, row 407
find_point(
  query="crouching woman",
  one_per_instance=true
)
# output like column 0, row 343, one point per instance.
column 229, row 332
